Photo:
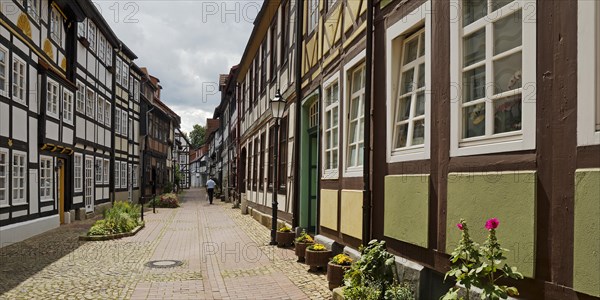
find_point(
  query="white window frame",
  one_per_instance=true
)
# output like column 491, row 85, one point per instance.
column 100, row 109
column 5, row 65
column 357, row 61
column 67, row 106
column 34, row 10
column 588, row 72
column 92, row 35
column 4, row 177
column 90, row 103
column 125, row 75
column 56, row 21
column 508, row 141
column 98, row 170
column 118, row 116
column 19, row 82
column 117, row 174
column 78, row 172
column 106, row 170
column 135, row 174
column 101, row 48
column 328, row 173
column 82, row 29
column 16, row 188
column 108, row 53
column 136, row 90
column 80, row 98
column 118, row 67
column 46, row 179
column 124, row 125
column 89, row 180
column 52, row 98
column 107, row 113
column 420, row 17
column 313, row 15
column 130, row 128
column 123, row 174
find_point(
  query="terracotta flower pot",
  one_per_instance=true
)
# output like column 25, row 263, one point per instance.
column 284, row 238
column 300, row 249
column 335, row 275
column 317, row 259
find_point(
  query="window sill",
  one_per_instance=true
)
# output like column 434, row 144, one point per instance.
column 354, row 172
column 488, row 146
column 330, row 174
column 408, row 154
column 46, row 200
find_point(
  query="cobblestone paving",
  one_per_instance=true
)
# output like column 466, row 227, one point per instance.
column 225, row 255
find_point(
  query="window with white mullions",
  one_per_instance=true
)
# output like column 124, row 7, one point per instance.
column 33, row 9
column 331, row 129
column 52, row 99
column 19, row 180
column 98, row 170
column 3, row 177
column 356, row 118
column 313, row 15
column 80, row 100
column 46, row 179
column 67, row 106
column 92, row 35
column 89, row 182
column 117, row 174
column 106, row 170
column 56, row 24
column 409, row 107
column 493, row 76
column 107, row 113
column 90, row 103
column 78, row 172
column 18, row 80
column 123, row 174
column 100, row 110
column 3, row 71
column 491, row 70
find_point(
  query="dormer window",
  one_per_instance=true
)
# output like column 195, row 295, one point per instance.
column 92, row 35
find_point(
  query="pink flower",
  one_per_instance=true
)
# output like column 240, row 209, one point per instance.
column 492, row 224
column 460, row 226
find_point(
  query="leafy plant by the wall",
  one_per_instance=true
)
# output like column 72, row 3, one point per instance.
column 481, row 267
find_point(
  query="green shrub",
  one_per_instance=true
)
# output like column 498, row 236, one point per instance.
column 374, row 276
column 122, row 217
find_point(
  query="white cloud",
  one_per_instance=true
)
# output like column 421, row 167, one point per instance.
column 186, row 44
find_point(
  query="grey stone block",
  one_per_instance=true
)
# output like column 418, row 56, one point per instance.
column 338, row 293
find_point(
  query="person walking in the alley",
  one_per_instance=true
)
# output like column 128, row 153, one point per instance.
column 210, row 189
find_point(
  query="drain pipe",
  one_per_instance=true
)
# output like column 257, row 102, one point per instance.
column 297, row 132
column 366, row 235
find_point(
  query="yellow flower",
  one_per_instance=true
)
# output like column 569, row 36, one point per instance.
column 318, row 247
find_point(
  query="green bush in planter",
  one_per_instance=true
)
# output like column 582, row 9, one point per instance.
column 374, row 276
column 122, row 217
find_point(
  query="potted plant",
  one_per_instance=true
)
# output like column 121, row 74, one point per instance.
column 336, row 269
column 301, row 242
column 317, row 256
column 284, row 236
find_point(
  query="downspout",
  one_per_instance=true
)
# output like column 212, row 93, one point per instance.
column 298, row 86
column 366, row 234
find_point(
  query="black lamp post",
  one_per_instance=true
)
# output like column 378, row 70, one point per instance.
column 277, row 109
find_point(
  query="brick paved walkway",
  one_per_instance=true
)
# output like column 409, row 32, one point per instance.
column 225, row 255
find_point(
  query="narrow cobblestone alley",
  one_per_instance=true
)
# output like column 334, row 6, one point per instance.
column 225, row 255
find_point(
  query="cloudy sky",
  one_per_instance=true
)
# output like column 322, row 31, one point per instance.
column 186, row 44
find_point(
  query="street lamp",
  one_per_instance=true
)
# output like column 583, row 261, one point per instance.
column 277, row 109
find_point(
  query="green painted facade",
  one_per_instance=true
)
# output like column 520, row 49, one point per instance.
column 406, row 208
column 508, row 196
column 586, row 278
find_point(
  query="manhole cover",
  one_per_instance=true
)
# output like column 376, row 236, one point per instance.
column 164, row 264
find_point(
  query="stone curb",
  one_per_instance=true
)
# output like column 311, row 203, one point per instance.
column 97, row 238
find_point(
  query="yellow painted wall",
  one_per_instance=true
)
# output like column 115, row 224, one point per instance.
column 510, row 197
column 406, row 208
column 329, row 209
column 351, row 213
column 586, row 262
